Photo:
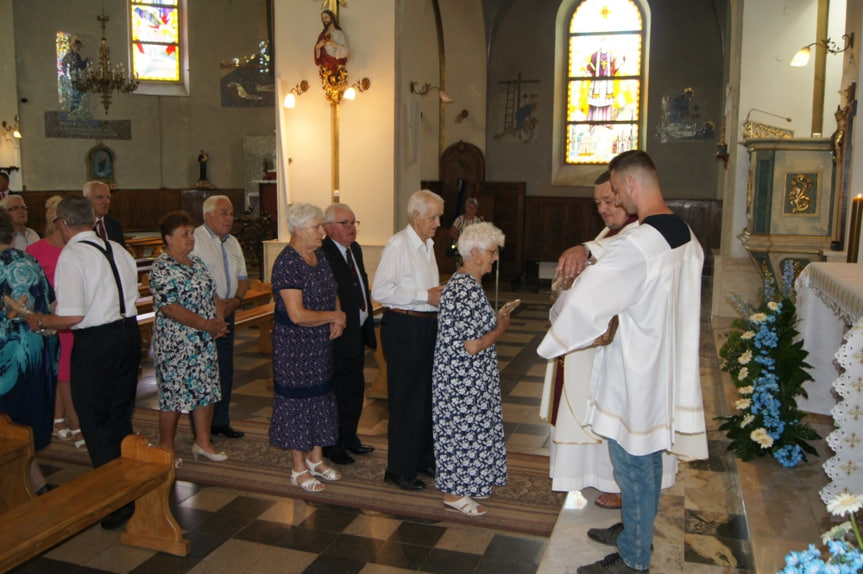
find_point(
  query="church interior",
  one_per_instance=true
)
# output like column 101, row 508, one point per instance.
column 471, row 98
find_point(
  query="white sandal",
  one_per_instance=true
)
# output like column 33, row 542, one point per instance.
column 465, row 505
column 327, row 473
column 62, row 434
column 310, row 485
column 75, row 434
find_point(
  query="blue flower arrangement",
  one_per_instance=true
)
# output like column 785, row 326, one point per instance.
column 767, row 362
column 841, row 556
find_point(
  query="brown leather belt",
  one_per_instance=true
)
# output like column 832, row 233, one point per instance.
column 423, row 314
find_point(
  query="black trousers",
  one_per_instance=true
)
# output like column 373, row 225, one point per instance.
column 225, row 352
column 349, row 385
column 408, row 345
column 104, row 377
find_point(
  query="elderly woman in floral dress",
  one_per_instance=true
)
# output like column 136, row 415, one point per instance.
column 467, row 418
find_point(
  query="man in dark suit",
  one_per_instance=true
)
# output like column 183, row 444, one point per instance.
column 106, row 226
column 346, row 260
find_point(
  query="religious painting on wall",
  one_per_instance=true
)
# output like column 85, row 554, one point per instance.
column 71, row 64
column 100, row 165
column 603, row 90
column 249, row 82
column 519, row 99
column 684, row 118
column 74, row 119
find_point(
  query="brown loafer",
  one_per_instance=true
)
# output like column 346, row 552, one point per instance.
column 608, row 500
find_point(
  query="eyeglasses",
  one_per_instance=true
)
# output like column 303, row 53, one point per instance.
column 319, row 227
column 56, row 219
column 347, row 223
column 17, row 208
column 493, row 252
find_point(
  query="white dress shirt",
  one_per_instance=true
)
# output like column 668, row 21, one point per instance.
column 408, row 269
column 208, row 246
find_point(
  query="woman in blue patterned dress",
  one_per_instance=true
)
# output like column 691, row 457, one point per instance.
column 307, row 317
column 469, row 444
column 28, row 360
column 184, row 346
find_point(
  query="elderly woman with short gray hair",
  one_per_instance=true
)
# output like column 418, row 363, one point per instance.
column 469, row 444
column 307, row 317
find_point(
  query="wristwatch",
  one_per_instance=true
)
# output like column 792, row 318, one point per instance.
column 41, row 326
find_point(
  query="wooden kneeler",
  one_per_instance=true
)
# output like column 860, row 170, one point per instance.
column 143, row 474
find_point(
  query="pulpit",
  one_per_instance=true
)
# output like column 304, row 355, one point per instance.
column 790, row 200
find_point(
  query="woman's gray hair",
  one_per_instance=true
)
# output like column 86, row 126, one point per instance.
column 480, row 235
column 471, row 201
column 7, row 232
column 421, row 201
column 300, row 214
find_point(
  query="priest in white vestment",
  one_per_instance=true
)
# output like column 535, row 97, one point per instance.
column 645, row 389
column 578, row 457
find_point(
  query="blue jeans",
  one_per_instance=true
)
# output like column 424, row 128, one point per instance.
column 640, row 481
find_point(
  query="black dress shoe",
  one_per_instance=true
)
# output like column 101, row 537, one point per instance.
column 227, row 431
column 403, row 482
column 340, row 458
column 45, row 489
column 361, row 449
column 119, row 517
column 429, row 471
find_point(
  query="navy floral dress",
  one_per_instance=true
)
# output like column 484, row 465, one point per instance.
column 187, row 368
column 469, row 444
column 28, row 360
column 304, row 406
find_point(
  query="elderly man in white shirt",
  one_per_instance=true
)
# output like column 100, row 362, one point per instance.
column 97, row 285
column 224, row 258
column 407, row 282
column 17, row 209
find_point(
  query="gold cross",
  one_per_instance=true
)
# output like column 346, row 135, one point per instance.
column 852, row 440
column 604, row 12
column 856, row 412
column 849, row 468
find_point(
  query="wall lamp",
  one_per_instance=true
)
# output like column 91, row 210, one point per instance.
column 461, row 116
column 12, row 129
column 298, row 90
column 423, row 90
column 801, row 58
column 358, row 87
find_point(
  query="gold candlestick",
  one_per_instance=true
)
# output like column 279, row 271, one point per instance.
column 854, row 235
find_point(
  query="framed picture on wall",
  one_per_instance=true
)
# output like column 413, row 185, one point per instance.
column 100, row 165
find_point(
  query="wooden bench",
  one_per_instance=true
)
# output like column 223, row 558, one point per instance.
column 261, row 317
column 16, row 452
column 144, row 474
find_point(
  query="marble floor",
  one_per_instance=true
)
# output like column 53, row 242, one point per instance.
column 721, row 516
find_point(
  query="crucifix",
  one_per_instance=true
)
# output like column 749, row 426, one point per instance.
column 331, row 57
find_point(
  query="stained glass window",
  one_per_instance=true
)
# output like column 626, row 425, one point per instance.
column 604, row 80
column 156, row 43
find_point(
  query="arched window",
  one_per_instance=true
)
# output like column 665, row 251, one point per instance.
column 158, row 45
column 604, row 79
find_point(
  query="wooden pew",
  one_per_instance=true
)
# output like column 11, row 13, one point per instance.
column 16, row 452
column 378, row 388
column 144, row 474
column 261, row 317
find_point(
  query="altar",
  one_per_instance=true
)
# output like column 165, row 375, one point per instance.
column 830, row 308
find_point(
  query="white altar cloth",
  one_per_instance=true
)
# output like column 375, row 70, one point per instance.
column 830, row 308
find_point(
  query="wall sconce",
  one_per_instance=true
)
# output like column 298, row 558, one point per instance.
column 462, row 115
column 423, row 90
column 801, row 58
column 298, row 90
column 12, row 131
column 359, row 87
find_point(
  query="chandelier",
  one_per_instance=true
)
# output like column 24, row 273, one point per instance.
column 100, row 78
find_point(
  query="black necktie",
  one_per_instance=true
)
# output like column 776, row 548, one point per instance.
column 356, row 279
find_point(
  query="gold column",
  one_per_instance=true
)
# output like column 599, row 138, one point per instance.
column 334, row 152
column 820, row 57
